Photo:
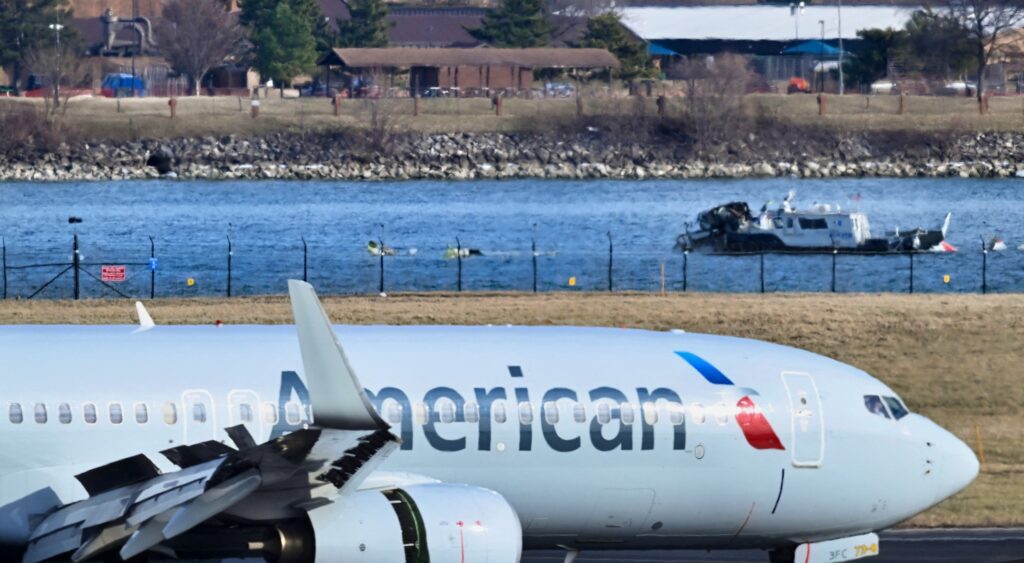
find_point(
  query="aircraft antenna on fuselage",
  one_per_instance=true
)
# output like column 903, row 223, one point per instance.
column 337, row 396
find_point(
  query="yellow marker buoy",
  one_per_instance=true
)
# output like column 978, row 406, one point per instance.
column 190, row 282
column 572, row 281
column 945, row 278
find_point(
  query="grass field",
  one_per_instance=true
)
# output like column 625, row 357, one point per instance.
column 149, row 117
column 955, row 358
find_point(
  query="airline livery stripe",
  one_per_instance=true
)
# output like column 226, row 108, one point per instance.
column 709, row 371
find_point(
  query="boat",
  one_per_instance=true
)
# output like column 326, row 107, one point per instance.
column 732, row 228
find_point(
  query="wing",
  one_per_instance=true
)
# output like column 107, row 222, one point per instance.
column 134, row 508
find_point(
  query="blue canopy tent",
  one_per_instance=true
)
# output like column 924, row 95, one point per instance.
column 815, row 48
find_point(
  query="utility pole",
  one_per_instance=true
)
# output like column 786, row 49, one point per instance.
column 821, row 58
column 842, row 88
column 138, row 41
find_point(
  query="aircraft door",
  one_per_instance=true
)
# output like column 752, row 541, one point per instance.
column 807, row 420
column 243, row 408
column 199, row 417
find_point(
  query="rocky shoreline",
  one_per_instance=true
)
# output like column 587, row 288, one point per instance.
column 582, row 155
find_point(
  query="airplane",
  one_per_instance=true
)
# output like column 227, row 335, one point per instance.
column 452, row 444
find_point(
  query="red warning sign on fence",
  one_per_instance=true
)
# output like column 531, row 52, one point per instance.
column 112, row 273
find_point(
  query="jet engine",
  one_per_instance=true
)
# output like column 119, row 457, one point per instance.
column 437, row 522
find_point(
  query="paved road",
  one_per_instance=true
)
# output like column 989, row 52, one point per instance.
column 976, row 545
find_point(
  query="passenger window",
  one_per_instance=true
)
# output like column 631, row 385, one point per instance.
column 525, row 413
column 64, row 413
column 394, row 412
column 579, row 412
column 697, row 413
column 14, row 413
column 89, row 413
column 446, row 412
column 675, row 414
column 722, row 414
column 626, row 414
column 116, row 413
column 41, row 413
column 472, row 413
column 292, row 413
column 141, row 413
column 245, row 412
column 875, row 406
column 498, row 408
column 269, row 413
column 896, row 407
column 551, row 412
column 199, row 413
column 170, row 413
column 650, row 413
column 604, row 413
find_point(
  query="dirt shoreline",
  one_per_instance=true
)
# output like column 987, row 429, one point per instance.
column 954, row 358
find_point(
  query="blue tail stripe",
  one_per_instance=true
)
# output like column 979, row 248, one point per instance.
column 709, row 371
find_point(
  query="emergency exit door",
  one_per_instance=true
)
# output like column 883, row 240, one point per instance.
column 807, row 422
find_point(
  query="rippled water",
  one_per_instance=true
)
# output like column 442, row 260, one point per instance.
column 266, row 221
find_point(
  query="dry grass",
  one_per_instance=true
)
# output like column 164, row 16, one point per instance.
column 149, row 117
column 955, row 358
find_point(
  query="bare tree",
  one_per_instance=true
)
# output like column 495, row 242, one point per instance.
column 59, row 65
column 197, row 35
column 984, row 21
column 714, row 98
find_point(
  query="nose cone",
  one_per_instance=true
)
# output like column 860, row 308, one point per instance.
column 959, row 466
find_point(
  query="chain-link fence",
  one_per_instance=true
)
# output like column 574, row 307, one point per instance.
column 153, row 268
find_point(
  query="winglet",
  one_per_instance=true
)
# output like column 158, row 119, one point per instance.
column 145, row 321
column 338, row 398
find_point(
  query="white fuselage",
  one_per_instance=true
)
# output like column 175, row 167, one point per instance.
column 608, row 436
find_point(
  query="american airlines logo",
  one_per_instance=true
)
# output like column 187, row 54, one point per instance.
column 609, row 426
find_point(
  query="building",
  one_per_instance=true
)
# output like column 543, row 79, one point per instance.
column 465, row 71
column 759, row 31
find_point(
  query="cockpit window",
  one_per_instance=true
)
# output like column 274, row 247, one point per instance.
column 896, row 407
column 875, row 406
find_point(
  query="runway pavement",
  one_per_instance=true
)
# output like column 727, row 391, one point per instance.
column 962, row 545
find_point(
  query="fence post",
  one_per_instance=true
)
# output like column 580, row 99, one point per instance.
column 381, row 285
column 533, row 251
column 762, row 271
column 458, row 257
column 610, row 256
column 835, row 251
column 984, row 269
column 5, row 266
column 903, row 103
column 686, row 266
column 152, row 269
column 76, row 262
column 230, row 253
column 305, row 260
column 416, row 105
column 911, row 271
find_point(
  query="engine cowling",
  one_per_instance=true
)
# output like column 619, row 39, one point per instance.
column 445, row 522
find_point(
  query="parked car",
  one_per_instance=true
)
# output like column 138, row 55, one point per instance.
column 958, row 88
column 121, row 85
column 319, row 90
column 884, row 87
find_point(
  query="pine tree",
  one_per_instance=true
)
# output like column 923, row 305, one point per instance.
column 25, row 26
column 517, row 23
column 367, row 27
column 285, row 48
column 258, row 15
column 605, row 32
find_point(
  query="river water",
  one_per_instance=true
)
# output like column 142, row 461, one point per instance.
column 191, row 221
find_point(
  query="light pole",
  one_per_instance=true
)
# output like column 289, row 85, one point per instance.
column 56, row 27
column 839, row 10
column 821, row 58
column 796, row 10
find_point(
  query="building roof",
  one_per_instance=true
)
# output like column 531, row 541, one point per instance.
column 434, row 27
column 482, row 56
column 759, row 23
